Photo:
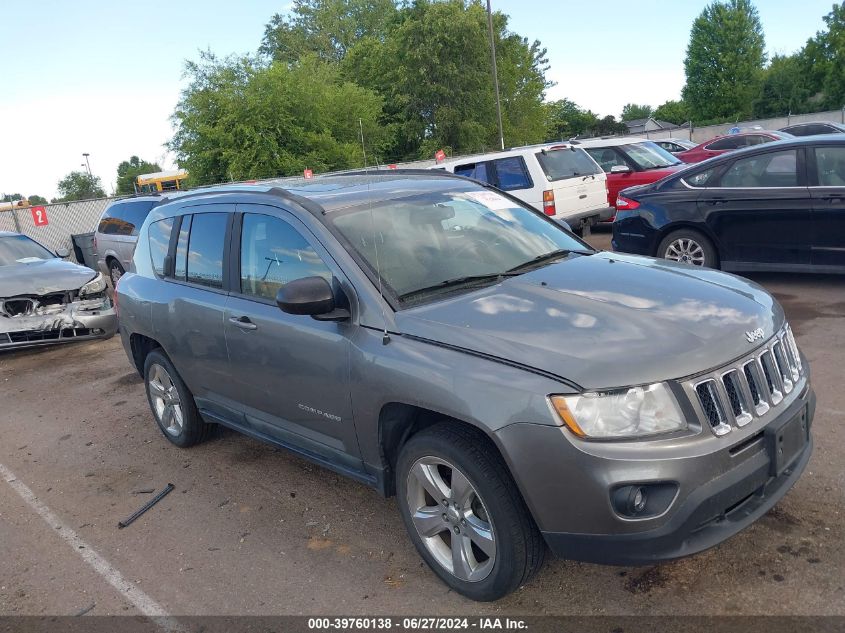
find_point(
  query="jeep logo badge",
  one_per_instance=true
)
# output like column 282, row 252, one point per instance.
column 755, row 335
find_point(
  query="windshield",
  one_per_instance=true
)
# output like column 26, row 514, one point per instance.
column 19, row 249
column 433, row 242
column 648, row 155
column 559, row 164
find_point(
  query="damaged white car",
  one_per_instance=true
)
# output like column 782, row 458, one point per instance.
column 45, row 299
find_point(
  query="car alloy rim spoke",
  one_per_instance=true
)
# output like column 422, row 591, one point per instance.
column 430, row 479
column 480, row 533
column 449, row 516
column 461, row 490
column 462, row 557
column 429, row 521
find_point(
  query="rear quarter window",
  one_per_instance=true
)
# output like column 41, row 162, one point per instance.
column 159, row 239
column 561, row 164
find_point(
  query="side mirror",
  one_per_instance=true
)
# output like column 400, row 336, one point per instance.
column 620, row 169
column 312, row 296
column 62, row 252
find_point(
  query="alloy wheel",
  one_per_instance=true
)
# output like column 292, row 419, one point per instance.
column 451, row 519
column 686, row 251
column 167, row 405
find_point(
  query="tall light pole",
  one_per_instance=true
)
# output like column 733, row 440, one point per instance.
column 88, row 165
column 495, row 74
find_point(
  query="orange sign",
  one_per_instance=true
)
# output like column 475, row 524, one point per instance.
column 308, row 173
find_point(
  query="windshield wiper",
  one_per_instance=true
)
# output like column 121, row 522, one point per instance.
column 546, row 257
column 457, row 281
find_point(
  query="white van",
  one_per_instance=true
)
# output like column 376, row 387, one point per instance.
column 560, row 179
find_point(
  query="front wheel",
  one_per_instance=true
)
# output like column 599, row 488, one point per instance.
column 464, row 513
column 689, row 247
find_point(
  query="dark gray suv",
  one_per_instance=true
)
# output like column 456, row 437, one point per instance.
column 441, row 341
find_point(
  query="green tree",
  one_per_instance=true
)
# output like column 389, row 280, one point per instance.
column 78, row 185
column 129, row 170
column 240, row 119
column 724, row 61
column 433, row 70
column 675, row 112
column 834, row 43
column 783, row 88
column 633, row 111
column 12, row 197
column 325, row 28
column 34, row 199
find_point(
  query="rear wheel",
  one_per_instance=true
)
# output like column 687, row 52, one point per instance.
column 464, row 513
column 172, row 403
column 689, row 247
column 115, row 272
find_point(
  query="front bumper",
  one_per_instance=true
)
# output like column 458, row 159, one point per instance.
column 718, row 493
column 78, row 321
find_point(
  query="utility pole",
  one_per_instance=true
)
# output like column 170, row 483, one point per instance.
column 495, row 74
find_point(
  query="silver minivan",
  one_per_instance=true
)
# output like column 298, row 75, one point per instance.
column 117, row 234
column 559, row 179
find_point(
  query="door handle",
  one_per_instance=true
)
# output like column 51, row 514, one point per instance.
column 715, row 201
column 243, row 323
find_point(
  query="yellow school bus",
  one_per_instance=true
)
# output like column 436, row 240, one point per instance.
column 161, row 181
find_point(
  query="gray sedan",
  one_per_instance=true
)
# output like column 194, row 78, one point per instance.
column 45, row 299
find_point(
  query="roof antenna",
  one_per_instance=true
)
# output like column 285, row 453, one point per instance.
column 386, row 338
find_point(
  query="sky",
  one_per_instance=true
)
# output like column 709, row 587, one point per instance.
column 103, row 76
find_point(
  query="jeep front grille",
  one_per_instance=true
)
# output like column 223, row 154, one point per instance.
column 734, row 395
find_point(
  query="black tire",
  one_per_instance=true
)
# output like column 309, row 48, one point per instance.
column 519, row 547
column 115, row 271
column 709, row 253
column 193, row 428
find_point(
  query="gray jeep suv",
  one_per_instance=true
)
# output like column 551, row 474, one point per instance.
column 441, row 341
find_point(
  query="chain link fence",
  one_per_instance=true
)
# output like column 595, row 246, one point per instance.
column 63, row 219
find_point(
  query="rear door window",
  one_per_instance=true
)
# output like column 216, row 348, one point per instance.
column 133, row 215
column 729, row 142
column 559, row 164
column 478, row 171
column 205, row 249
column 607, row 158
column 830, row 166
column 511, row 173
column 775, row 169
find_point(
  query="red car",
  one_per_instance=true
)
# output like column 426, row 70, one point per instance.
column 728, row 143
column 629, row 162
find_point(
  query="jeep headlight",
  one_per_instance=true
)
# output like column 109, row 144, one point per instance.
column 94, row 287
column 633, row 412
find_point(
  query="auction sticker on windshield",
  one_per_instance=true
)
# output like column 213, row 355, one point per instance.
column 490, row 199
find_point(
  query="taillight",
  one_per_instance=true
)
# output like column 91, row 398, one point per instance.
column 626, row 204
column 549, row 202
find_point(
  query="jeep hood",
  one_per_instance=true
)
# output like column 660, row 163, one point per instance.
column 43, row 277
column 605, row 320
